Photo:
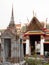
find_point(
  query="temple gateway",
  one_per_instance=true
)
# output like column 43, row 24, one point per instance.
column 36, row 38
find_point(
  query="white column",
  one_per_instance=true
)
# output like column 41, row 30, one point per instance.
column 28, row 47
column 42, row 47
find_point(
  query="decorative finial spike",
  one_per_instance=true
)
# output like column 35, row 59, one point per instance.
column 27, row 19
column 45, row 25
column 33, row 13
column 12, row 18
column 12, row 9
column 46, row 22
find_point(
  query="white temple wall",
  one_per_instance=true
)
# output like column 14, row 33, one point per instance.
column 42, row 47
column 28, row 47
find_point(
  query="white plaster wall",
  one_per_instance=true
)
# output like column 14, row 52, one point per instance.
column 27, row 47
column 42, row 47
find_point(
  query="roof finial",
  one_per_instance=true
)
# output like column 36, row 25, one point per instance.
column 46, row 22
column 12, row 9
column 27, row 19
column 33, row 13
column 45, row 25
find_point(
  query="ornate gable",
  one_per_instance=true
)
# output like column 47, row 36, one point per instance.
column 7, row 34
column 34, row 25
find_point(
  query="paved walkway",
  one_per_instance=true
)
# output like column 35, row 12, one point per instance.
column 8, row 63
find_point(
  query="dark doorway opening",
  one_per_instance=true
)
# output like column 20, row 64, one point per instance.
column 46, row 50
column 33, row 38
column 7, row 47
column 24, row 48
column 0, row 50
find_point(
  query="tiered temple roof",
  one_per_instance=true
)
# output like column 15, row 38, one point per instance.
column 34, row 25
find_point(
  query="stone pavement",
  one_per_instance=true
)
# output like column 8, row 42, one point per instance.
column 8, row 63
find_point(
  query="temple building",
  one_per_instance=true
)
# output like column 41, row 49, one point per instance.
column 36, row 38
column 17, row 42
column 11, row 47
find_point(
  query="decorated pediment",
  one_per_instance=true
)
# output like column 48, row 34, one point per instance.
column 34, row 25
column 7, row 34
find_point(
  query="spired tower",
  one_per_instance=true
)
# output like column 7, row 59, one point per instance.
column 12, row 25
column 11, row 46
column 12, row 19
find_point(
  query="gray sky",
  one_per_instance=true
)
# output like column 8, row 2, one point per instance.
column 22, row 10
